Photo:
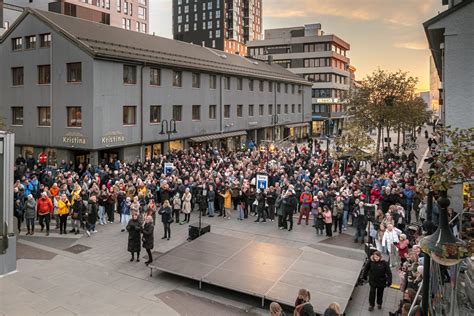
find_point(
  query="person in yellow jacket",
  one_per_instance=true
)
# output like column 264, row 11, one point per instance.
column 76, row 192
column 227, row 202
column 63, row 212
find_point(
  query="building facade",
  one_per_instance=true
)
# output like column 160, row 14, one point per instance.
column 128, row 14
column 319, row 58
column 450, row 37
column 222, row 24
column 107, row 95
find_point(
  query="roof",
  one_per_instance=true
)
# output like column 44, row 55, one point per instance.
column 444, row 14
column 112, row 43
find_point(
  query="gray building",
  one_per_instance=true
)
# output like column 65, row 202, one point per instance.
column 451, row 39
column 321, row 59
column 86, row 91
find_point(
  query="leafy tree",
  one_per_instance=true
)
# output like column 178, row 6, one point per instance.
column 355, row 143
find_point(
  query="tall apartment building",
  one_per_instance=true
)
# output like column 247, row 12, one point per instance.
column 319, row 58
column 222, row 24
column 128, row 14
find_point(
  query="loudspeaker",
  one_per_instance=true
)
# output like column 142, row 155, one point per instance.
column 194, row 232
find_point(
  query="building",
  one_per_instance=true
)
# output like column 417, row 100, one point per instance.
column 319, row 58
column 450, row 37
column 128, row 14
column 435, row 86
column 86, row 91
column 222, row 24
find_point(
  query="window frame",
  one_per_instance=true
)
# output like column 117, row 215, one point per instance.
column 213, row 82
column 40, row 69
column 156, row 83
column 124, row 111
column 69, row 70
column 251, row 110
column 227, row 109
column 212, row 111
column 16, row 47
column 177, row 79
column 14, row 117
column 132, row 80
column 155, row 109
column 14, row 84
column 69, row 119
column 196, row 80
column 196, row 108
column 240, row 110
column 28, row 42
column 48, row 116
column 261, row 110
column 175, row 112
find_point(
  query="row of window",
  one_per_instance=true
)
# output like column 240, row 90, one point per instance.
column 326, row 108
column 329, row 93
column 130, row 77
column 324, row 62
column 74, row 74
column 326, row 77
column 205, row 5
column 74, row 113
column 30, row 41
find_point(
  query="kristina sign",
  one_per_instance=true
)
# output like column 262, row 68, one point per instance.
column 112, row 138
column 74, row 138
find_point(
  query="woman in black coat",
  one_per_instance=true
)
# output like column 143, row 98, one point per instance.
column 134, row 233
column 380, row 277
column 148, row 239
column 165, row 212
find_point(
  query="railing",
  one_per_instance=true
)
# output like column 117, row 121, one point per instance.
column 415, row 300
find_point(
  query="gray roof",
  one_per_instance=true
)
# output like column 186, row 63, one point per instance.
column 108, row 42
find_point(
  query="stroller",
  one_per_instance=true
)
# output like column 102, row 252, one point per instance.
column 369, row 250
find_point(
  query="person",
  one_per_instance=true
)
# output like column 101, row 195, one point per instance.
column 260, row 198
column 334, row 309
column 125, row 212
column 306, row 198
column 227, row 197
column 289, row 206
column 276, row 310
column 77, row 212
column 30, row 214
column 390, row 237
column 426, row 134
column 176, row 207
column 166, row 219
column 134, row 232
column 187, row 205
column 303, row 306
column 19, row 212
column 402, row 247
column 148, row 237
column 91, row 215
column 44, row 208
column 409, row 296
column 319, row 221
column 271, row 200
column 380, row 276
column 211, row 197
column 327, row 217
column 360, row 222
column 338, row 209
column 63, row 212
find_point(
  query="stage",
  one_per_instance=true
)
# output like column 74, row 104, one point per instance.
column 270, row 272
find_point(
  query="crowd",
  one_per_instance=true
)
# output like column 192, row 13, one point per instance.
column 377, row 200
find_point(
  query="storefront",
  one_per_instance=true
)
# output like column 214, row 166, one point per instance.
column 153, row 150
column 299, row 131
column 230, row 141
column 176, row 145
column 317, row 128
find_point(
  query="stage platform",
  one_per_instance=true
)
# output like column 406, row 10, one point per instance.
column 268, row 271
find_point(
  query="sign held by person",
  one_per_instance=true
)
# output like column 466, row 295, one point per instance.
column 262, row 181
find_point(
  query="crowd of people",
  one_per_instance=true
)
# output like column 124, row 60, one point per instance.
column 377, row 200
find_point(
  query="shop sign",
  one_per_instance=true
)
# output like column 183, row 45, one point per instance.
column 112, row 137
column 74, row 138
column 327, row 100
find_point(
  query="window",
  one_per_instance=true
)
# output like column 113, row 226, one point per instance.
column 30, row 42
column 129, row 74
column 227, row 83
column 143, row 25
column 44, row 116
column 286, row 88
column 218, row 33
column 196, row 112
column 142, row 2
column 250, row 84
column 74, row 72
column 250, row 109
column 129, row 115
column 239, row 83
column 240, row 109
column 155, row 76
column 177, row 78
column 74, row 116
column 261, row 110
column 292, row 108
column 218, row 14
column 44, row 74
column 292, row 89
column 317, row 47
column 227, row 111
column 17, row 43
column 212, row 81
column 177, row 113
column 17, row 76
column 119, row 5
column 278, row 87
column 196, row 80
column 155, row 114
column 17, row 115
column 141, row 13
column 270, row 86
column 260, row 85
column 299, row 108
column 278, row 108
column 270, row 109
column 212, row 112
column 286, row 108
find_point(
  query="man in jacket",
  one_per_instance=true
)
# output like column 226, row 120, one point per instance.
column 44, row 208
column 289, row 205
column 380, row 277
column 306, row 198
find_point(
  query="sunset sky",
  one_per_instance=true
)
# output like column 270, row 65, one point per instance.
column 382, row 33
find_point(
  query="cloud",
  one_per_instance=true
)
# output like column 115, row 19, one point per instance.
column 404, row 13
column 415, row 45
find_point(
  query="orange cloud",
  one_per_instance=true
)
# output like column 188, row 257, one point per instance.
column 416, row 45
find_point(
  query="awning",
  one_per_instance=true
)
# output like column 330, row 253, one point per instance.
column 297, row 125
column 202, row 139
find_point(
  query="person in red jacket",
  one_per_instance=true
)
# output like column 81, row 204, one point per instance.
column 306, row 199
column 44, row 208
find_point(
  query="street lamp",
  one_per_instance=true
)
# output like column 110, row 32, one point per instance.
column 170, row 129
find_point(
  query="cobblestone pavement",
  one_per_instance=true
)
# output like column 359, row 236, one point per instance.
column 52, row 280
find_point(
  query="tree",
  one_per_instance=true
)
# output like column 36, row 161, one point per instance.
column 382, row 101
column 3, row 126
column 355, row 143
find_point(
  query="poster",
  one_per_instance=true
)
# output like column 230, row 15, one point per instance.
column 262, row 181
column 168, row 167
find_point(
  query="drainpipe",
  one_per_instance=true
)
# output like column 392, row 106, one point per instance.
column 275, row 120
column 51, row 94
column 141, row 112
column 221, row 97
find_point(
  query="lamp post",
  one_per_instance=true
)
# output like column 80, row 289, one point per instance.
column 168, row 128
column 274, row 122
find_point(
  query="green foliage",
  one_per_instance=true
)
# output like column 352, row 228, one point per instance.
column 455, row 161
column 355, row 143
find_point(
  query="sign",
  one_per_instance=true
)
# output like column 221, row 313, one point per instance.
column 168, row 167
column 74, row 138
column 262, row 181
column 43, row 157
column 112, row 137
column 387, row 139
column 327, row 100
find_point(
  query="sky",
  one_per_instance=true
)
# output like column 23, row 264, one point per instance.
column 382, row 33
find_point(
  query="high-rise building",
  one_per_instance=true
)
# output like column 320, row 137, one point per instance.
column 319, row 58
column 222, row 24
column 128, row 14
